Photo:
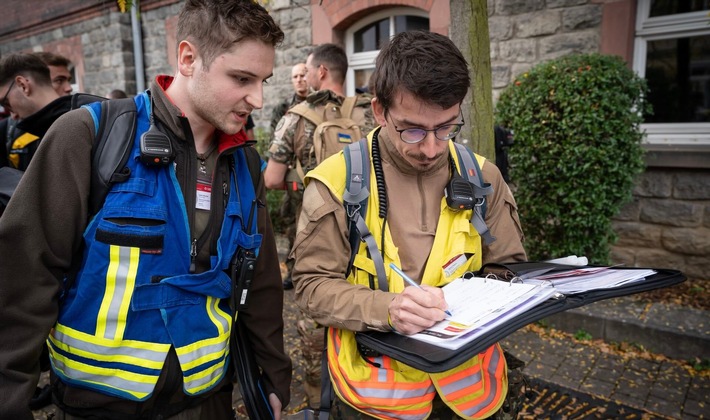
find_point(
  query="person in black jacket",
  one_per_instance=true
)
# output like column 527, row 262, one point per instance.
column 25, row 81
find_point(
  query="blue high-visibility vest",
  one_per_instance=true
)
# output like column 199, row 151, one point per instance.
column 134, row 297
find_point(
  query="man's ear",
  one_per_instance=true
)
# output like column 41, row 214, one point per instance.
column 378, row 111
column 25, row 84
column 186, row 58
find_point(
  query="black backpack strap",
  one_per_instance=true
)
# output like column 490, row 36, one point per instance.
column 254, row 163
column 81, row 99
column 472, row 173
column 112, row 147
column 355, row 199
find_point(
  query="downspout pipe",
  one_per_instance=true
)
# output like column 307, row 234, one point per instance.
column 137, row 47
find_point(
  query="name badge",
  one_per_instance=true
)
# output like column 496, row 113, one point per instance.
column 453, row 264
column 204, row 196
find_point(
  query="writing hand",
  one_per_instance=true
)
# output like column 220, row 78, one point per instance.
column 417, row 308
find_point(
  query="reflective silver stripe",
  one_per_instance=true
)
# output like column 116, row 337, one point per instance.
column 143, row 354
column 205, row 378
column 220, row 318
column 466, row 381
column 204, row 351
column 490, row 394
column 394, row 393
column 120, row 281
column 137, row 385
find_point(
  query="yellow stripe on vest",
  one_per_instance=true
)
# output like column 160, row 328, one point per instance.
column 120, row 282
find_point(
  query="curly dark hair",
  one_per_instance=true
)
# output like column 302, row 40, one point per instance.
column 424, row 63
column 214, row 26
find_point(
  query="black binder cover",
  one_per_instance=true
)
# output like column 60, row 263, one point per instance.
column 430, row 358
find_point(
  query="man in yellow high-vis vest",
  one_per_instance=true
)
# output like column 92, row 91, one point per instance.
column 420, row 81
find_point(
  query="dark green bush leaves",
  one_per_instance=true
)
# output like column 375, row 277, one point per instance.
column 577, row 151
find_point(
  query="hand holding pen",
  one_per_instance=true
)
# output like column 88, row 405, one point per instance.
column 416, row 308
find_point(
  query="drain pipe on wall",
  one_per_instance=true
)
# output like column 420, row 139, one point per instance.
column 137, row 47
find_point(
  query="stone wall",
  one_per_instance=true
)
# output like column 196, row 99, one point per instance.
column 294, row 17
column 667, row 224
column 525, row 33
column 100, row 47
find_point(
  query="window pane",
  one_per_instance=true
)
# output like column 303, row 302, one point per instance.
column 410, row 23
column 678, row 76
column 370, row 37
column 671, row 7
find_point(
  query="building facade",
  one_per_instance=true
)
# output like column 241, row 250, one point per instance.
column 668, row 42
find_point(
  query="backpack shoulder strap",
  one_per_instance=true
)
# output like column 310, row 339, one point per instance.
column 355, row 200
column 472, row 172
column 254, row 164
column 116, row 122
column 303, row 109
column 80, row 99
column 346, row 109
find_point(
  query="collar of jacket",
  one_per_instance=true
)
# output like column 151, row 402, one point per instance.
column 323, row 97
column 39, row 122
column 170, row 115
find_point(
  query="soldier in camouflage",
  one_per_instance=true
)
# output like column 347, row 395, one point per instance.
column 293, row 139
column 293, row 196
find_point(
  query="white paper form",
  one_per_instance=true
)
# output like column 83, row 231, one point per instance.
column 479, row 305
column 592, row 278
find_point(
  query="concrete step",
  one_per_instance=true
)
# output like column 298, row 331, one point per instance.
column 675, row 331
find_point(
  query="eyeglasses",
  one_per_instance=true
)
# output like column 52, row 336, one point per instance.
column 4, row 102
column 444, row 132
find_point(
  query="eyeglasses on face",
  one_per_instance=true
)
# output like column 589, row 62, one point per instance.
column 4, row 102
column 414, row 135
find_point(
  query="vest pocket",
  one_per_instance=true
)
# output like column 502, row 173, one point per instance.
column 144, row 231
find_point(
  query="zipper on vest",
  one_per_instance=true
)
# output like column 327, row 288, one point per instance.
column 193, row 255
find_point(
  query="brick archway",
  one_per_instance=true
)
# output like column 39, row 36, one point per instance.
column 332, row 18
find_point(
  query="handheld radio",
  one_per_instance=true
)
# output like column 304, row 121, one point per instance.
column 156, row 149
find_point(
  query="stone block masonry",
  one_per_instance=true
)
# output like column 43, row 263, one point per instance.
column 667, row 224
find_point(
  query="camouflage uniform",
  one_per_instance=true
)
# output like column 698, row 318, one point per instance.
column 291, row 201
column 292, row 139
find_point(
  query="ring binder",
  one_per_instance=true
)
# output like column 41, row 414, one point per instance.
column 431, row 358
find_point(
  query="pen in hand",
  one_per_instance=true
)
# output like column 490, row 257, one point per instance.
column 411, row 282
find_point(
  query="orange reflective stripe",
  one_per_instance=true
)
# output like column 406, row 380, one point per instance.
column 494, row 386
column 374, row 390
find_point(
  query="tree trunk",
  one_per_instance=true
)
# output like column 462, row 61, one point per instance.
column 470, row 33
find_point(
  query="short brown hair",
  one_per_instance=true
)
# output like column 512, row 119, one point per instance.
column 52, row 59
column 25, row 64
column 333, row 58
column 426, row 64
column 214, row 26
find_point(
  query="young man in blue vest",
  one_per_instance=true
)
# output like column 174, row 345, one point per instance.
column 142, row 327
column 420, row 81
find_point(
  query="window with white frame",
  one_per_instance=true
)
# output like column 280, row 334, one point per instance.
column 672, row 52
column 364, row 39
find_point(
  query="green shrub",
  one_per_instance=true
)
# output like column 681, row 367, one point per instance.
column 273, row 197
column 577, row 151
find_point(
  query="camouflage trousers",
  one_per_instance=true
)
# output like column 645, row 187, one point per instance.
column 311, row 344
column 289, row 210
column 512, row 404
